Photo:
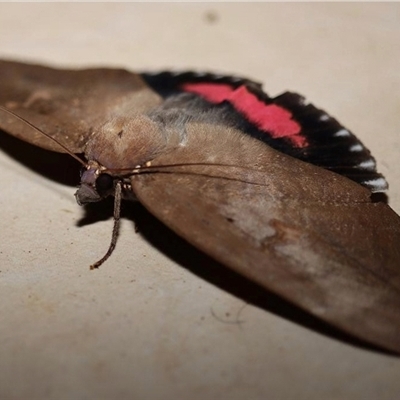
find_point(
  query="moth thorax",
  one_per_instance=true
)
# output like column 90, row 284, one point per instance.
column 125, row 141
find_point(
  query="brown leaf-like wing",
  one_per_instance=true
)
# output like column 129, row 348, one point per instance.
column 305, row 233
column 67, row 104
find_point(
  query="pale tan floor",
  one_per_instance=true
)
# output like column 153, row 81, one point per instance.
column 143, row 326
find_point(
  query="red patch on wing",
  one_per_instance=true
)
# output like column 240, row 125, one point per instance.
column 267, row 117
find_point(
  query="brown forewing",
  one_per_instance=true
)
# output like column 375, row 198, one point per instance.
column 67, row 104
column 305, row 233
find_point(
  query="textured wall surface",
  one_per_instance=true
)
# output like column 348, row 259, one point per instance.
column 157, row 321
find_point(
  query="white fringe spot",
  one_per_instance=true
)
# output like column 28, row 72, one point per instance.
column 378, row 184
column 356, row 147
column 342, row 133
column 218, row 76
column 368, row 164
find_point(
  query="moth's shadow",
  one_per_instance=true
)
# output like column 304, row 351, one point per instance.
column 63, row 169
column 59, row 167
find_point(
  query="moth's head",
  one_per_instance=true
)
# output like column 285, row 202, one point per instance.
column 125, row 141
column 95, row 184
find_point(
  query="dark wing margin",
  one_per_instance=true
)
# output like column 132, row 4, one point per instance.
column 325, row 142
column 331, row 145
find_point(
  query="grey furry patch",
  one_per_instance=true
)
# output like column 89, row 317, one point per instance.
column 182, row 108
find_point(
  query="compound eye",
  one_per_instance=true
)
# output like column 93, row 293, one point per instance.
column 104, row 184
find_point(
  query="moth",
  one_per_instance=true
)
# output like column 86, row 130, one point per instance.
column 273, row 188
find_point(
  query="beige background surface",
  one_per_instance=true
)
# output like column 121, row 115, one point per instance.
column 158, row 321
